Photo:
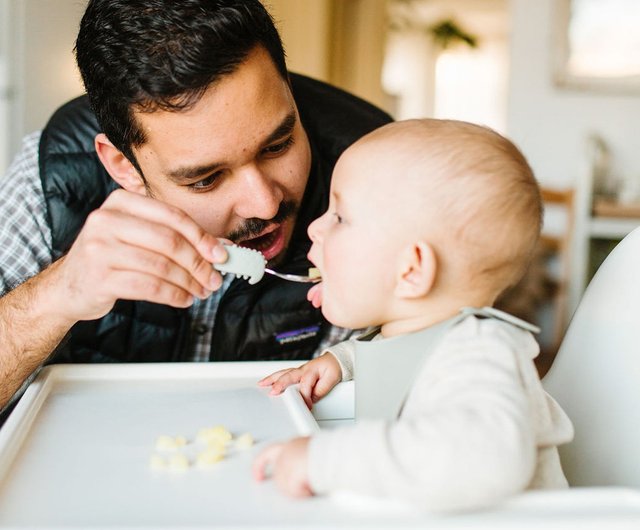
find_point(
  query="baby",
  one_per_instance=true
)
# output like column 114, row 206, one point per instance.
column 428, row 222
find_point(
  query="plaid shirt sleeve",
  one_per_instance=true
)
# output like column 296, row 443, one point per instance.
column 335, row 335
column 25, row 237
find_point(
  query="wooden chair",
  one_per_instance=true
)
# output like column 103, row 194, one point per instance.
column 561, row 244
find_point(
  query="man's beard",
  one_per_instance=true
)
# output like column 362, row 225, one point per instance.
column 254, row 227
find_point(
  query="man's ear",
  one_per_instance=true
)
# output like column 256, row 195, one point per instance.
column 119, row 166
column 417, row 270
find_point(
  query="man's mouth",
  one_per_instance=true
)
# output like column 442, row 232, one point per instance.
column 270, row 243
column 271, row 238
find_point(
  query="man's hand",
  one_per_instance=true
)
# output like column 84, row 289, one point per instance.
column 136, row 248
column 288, row 465
column 316, row 378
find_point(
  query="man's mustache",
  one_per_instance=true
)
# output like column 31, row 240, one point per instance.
column 253, row 227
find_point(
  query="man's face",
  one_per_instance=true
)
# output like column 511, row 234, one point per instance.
column 237, row 161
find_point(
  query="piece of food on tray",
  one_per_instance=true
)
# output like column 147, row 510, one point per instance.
column 217, row 434
column 244, row 441
column 210, row 457
column 216, row 441
column 178, row 462
column 169, row 443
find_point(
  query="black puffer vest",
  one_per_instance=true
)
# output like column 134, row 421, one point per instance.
column 271, row 320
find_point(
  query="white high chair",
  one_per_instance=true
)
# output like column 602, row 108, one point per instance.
column 596, row 375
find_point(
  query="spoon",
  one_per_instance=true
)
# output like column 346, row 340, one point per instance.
column 294, row 277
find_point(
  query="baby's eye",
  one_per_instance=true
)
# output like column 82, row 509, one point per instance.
column 277, row 149
column 338, row 218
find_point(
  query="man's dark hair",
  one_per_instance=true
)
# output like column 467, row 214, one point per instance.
column 163, row 54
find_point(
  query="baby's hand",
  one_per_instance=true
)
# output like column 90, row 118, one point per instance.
column 316, row 378
column 288, row 465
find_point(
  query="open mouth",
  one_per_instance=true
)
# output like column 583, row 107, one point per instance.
column 270, row 244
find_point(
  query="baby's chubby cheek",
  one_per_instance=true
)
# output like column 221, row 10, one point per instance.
column 333, row 309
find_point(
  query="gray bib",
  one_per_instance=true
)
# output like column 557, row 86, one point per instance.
column 385, row 369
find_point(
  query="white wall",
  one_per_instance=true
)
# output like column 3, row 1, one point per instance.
column 551, row 124
column 42, row 71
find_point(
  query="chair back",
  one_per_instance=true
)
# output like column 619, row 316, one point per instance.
column 596, row 375
column 561, row 243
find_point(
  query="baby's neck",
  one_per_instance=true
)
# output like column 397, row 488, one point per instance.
column 431, row 312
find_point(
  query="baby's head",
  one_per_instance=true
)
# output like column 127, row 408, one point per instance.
column 425, row 217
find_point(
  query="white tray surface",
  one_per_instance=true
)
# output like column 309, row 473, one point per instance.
column 85, row 457
column 75, row 453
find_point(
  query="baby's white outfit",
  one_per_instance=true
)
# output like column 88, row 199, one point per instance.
column 469, row 426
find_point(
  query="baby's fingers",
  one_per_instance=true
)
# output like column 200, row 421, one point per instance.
column 263, row 464
column 287, row 379
column 306, row 387
column 323, row 387
column 270, row 379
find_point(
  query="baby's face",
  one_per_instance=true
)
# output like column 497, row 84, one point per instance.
column 354, row 244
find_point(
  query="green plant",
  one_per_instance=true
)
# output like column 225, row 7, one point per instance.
column 447, row 32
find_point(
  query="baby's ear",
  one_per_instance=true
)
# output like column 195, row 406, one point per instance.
column 416, row 271
column 118, row 165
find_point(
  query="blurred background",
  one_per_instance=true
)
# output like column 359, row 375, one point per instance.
column 561, row 78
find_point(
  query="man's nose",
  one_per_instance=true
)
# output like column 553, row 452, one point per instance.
column 259, row 195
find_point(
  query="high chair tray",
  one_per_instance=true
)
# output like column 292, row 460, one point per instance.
column 75, row 454
column 76, row 450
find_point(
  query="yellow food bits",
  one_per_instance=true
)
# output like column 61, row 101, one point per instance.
column 209, row 457
column 314, row 273
column 178, row 462
column 168, row 443
column 178, row 454
column 216, row 445
column 217, row 434
column 244, row 441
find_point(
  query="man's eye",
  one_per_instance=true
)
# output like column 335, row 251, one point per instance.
column 279, row 148
column 206, row 182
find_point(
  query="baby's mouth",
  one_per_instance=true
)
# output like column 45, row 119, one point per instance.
column 314, row 295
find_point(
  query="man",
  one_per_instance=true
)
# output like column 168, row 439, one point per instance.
column 207, row 136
